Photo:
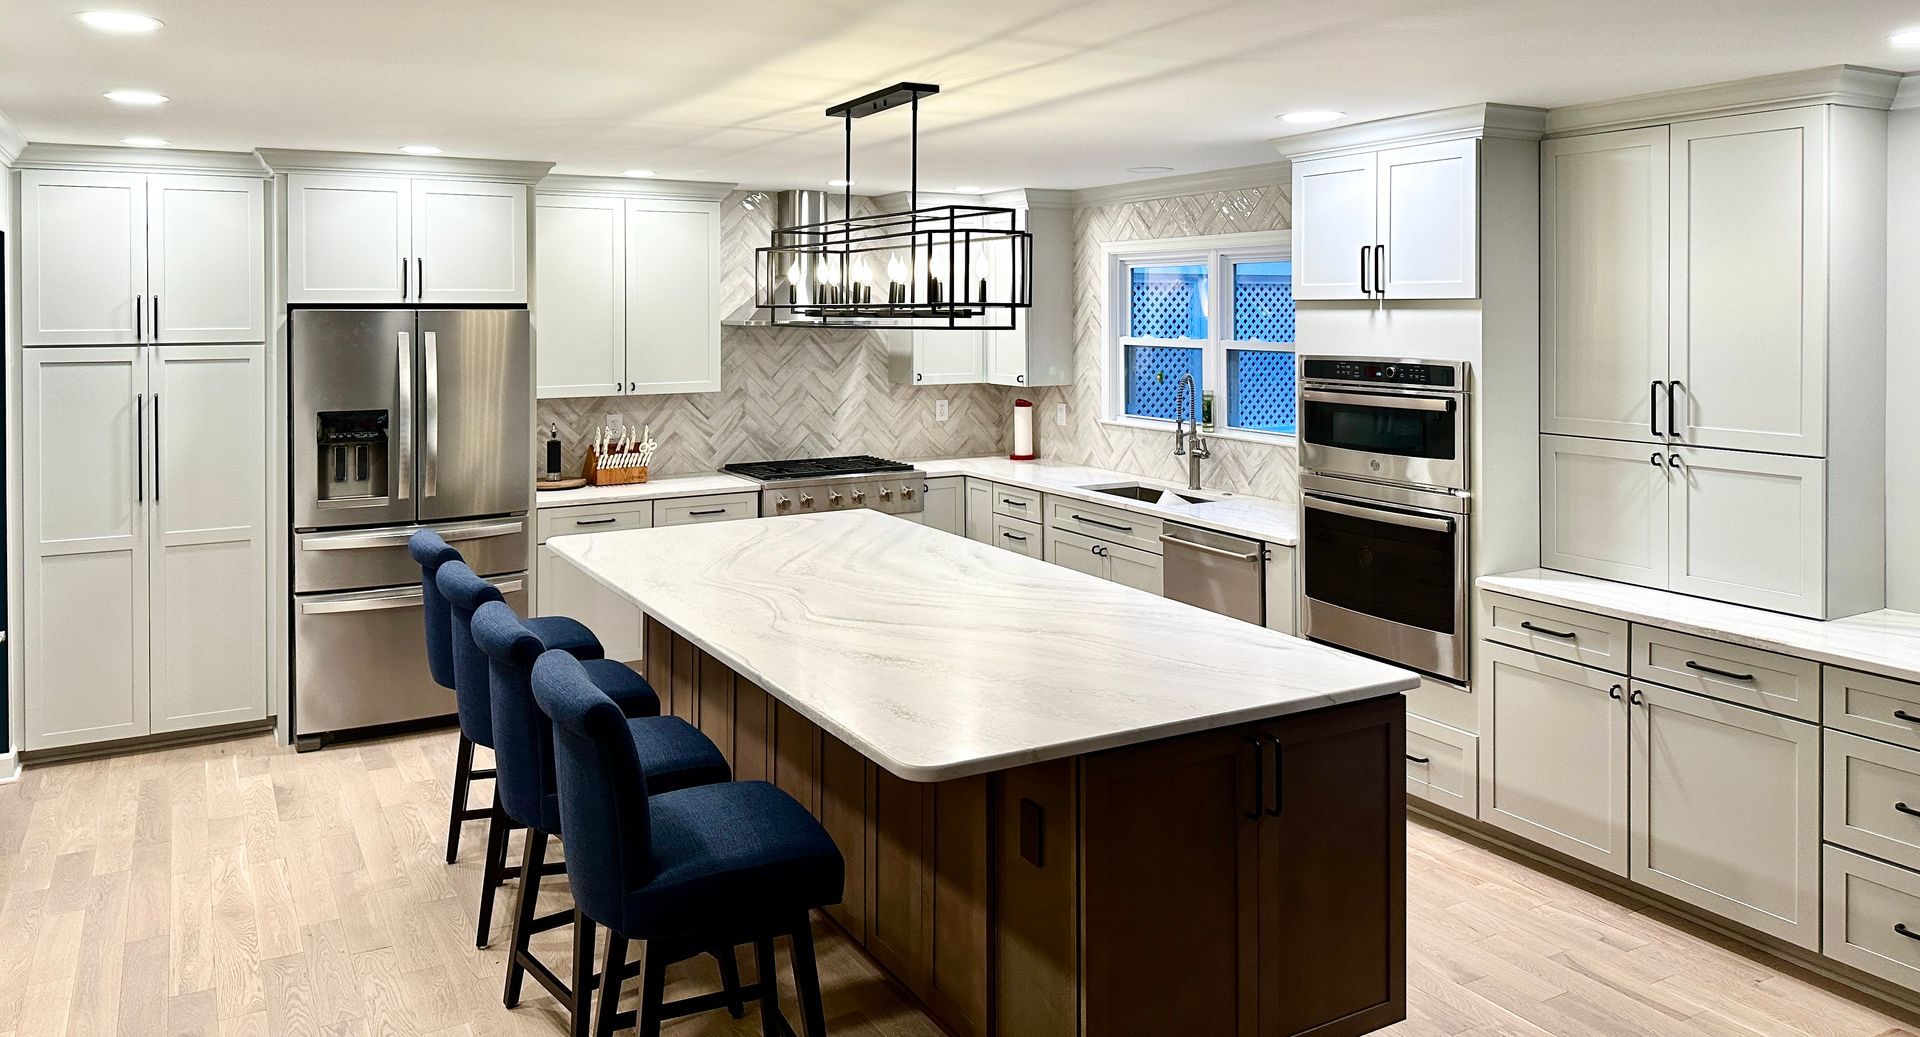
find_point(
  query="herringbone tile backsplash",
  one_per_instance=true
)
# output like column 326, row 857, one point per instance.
column 794, row 392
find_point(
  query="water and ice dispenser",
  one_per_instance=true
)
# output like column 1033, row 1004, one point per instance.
column 353, row 446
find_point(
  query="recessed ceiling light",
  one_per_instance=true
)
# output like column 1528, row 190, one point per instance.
column 118, row 21
column 145, row 142
column 638, row 173
column 839, row 183
column 419, row 149
column 1312, row 117
column 969, row 189
column 1905, row 38
column 134, row 97
column 1149, row 169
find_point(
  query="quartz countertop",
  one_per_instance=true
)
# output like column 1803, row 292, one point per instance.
column 1886, row 642
column 1262, row 518
column 938, row 657
column 702, row 485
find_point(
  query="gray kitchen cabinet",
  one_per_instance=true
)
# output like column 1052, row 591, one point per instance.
column 943, row 505
column 1129, row 566
column 1282, row 608
column 561, row 589
column 979, row 510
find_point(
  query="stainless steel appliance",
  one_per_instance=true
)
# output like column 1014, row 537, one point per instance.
column 399, row 419
column 1398, row 421
column 1385, row 531
column 814, row 484
column 1217, row 572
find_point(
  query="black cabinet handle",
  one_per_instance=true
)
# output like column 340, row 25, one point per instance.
column 405, row 289
column 1279, row 783
column 1380, row 270
column 1901, row 928
column 1637, row 699
column 1364, row 250
column 1673, row 460
column 1653, row 410
column 1905, row 809
column 1673, row 424
column 139, row 318
column 1568, row 634
column 1417, row 759
column 1011, row 503
column 1904, row 715
column 156, row 440
column 1014, row 536
column 156, row 318
column 1613, row 692
column 1259, row 779
column 140, row 447
column 420, row 278
column 1728, row 674
column 596, row 522
column 706, row 511
column 1102, row 525
column 1655, row 459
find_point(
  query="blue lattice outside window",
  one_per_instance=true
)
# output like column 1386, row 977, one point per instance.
column 1167, row 301
column 1152, row 374
column 1260, row 392
column 1263, row 301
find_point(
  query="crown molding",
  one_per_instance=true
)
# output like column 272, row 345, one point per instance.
column 1508, row 121
column 281, row 160
column 1237, row 178
column 12, row 142
column 107, row 158
column 1908, row 93
column 635, row 187
column 1850, row 85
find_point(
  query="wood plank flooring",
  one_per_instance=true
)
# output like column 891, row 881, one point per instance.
column 241, row 888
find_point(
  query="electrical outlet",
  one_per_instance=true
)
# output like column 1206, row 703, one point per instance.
column 1060, row 414
column 614, row 422
column 939, row 410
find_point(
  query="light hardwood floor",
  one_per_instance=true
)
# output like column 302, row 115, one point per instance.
column 240, row 888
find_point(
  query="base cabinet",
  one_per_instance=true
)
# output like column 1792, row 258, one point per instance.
column 944, row 505
column 1129, row 566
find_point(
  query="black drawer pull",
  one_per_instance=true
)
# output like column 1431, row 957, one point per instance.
column 1691, row 665
column 1104, row 525
column 708, row 511
column 1905, row 809
column 1010, row 502
column 1418, row 759
column 1014, row 536
column 1904, row 715
column 1568, row 634
column 596, row 522
column 1901, row 928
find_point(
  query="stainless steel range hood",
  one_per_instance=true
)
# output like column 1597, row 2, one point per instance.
column 791, row 209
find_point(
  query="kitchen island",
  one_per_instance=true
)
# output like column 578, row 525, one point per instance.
column 1067, row 807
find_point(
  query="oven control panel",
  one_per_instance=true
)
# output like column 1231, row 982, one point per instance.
column 1382, row 372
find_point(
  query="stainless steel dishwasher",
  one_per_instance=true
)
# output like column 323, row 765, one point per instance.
column 1219, row 573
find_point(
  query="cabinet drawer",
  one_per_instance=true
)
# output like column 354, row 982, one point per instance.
column 1866, row 704
column 1017, row 535
column 1563, row 633
column 1014, row 502
column 1103, row 523
column 1863, row 900
column 594, row 518
column 1443, row 765
column 1733, row 673
column 681, row 510
column 1872, row 798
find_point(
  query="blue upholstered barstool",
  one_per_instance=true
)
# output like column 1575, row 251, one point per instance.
column 683, row 872
column 674, row 753
column 430, row 551
column 472, row 693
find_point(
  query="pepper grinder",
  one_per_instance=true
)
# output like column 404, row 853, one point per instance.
column 553, row 453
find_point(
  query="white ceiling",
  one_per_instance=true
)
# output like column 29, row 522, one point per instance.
column 1036, row 93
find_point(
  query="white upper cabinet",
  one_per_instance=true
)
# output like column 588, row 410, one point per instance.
column 580, row 295
column 1749, row 280
column 1427, row 231
column 1603, row 509
column 373, row 239
column 1335, row 202
column 673, row 296
column 206, row 259
column 83, row 260
column 469, row 242
column 950, row 357
column 349, row 238
column 1603, row 285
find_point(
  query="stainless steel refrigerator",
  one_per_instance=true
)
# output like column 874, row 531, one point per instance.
column 398, row 419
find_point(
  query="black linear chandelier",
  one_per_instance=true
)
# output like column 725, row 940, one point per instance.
column 944, row 266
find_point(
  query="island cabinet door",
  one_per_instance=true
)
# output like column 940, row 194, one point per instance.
column 1333, row 872
column 1170, row 837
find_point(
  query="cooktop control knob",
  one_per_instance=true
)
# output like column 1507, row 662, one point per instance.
column 859, row 497
column 886, row 494
column 834, row 498
column 906, row 493
column 806, row 500
column 782, row 503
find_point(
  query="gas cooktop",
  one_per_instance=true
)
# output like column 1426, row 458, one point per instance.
column 816, row 468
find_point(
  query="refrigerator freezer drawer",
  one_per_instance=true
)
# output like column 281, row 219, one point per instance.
column 360, row 659
column 344, row 560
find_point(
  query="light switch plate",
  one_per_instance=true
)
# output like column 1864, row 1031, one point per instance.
column 939, row 410
column 1060, row 414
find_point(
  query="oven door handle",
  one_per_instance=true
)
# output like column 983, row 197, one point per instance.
column 1389, row 402
column 1392, row 518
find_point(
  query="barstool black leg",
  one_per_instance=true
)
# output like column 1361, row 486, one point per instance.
column 769, row 987
column 653, row 995
column 806, row 978
column 613, row 972
column 525, row 906
column 462, row 777
column 492, row 873
column 730, row 980
column 583, row 973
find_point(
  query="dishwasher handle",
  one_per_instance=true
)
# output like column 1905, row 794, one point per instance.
column 1169, row 538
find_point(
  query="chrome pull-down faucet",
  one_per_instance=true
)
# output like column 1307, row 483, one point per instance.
column 1187, row 440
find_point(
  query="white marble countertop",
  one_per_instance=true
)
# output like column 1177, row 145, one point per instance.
column 702, row 485
column 1262, row 518
column 1884, row 642
column 938, row 657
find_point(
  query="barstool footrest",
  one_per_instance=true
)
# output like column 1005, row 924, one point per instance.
column 707, row 1002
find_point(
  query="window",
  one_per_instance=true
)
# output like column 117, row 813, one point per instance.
column 1223, row 315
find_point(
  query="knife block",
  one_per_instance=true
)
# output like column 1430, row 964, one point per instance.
column 598, row 476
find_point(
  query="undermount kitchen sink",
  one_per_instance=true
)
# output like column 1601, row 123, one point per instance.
column 1151, row 494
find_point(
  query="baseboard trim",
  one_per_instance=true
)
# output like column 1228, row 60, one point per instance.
column 1903, row 1002
column 9, row 768
column 149, row 743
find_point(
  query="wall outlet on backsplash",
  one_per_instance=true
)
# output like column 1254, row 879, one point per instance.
column 939, row 410
column 1060, row 414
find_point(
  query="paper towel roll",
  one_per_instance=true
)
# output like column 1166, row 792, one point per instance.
column 1022, row 431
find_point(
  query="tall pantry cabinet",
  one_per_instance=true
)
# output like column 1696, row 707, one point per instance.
column 143, row 450
column 1713, row 332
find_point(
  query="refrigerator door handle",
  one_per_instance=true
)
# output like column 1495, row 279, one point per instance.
column 403, row 375
column 431, row 466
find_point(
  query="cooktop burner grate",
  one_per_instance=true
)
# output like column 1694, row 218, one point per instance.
column 815, row 468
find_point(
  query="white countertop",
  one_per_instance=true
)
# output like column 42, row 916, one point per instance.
column 702, row 485
column 1885, row 642
column 938, row 657
column 1262, row 518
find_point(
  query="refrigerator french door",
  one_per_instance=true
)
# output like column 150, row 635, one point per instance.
column 399, row 419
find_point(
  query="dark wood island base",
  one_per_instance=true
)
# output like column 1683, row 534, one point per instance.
column 1249, row 880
